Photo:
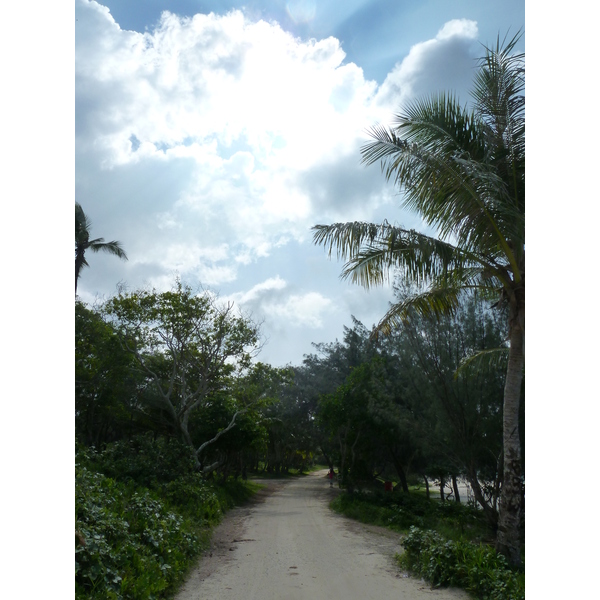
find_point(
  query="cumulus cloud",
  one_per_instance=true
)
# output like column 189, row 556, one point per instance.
column 276, row 300
column 244, row 105
column 444, row 63
column 209, row 145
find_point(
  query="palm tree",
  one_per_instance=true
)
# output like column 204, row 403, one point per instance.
column 463, row 171
column 82, row 243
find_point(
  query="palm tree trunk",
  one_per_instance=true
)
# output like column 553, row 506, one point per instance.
column 508, row 540
column 78, row 265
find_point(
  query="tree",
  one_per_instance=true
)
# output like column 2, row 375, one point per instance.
column 463, row 171
column 83, row 243
column 108, row 389
column 458, row 415
column 192, row 350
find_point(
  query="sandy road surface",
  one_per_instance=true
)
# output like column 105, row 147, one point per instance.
column 291, row 546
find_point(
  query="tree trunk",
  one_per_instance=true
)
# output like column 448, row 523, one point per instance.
column 490, row 513
column 426, row 486
column 442, row 486
column 455, row 488
column 399, row 471
column 508, row 541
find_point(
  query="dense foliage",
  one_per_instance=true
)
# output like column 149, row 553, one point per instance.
column 170, row 412
column 397, row 409
column 138, row 530
column 445, row 543
column 475, row 567
column 167, row 437
column 400, row 511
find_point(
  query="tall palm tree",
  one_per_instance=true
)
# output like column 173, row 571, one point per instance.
column 463, row 171
column 83, row 243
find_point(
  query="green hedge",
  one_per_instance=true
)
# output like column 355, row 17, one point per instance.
column 134, row 542
column 475, row 567
column 400, row 511
column 128, row 544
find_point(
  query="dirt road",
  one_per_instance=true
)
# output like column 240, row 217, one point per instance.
column 292, row 547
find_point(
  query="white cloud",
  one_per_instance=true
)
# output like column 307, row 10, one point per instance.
column 273, row 300
column 249, row 104
column 273, row 283
column 210, row 145
column 458, row 27
column 303, row 310
column 444, row 63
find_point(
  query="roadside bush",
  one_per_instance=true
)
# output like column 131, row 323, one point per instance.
column 475, row 567
column 399, row 511
column 147, row 461
column 195, row 497
column 135, row 543
column 127, row 544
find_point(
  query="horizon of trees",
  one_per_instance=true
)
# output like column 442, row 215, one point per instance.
column 391, row 408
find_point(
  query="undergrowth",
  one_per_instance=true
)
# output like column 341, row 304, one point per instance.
column 475, row 567
column 137, row 532
column 400, row 511
column 445, row 544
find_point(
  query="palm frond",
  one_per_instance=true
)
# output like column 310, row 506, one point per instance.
column 372, row 253
column 114, row 247
column 436, row 302
column 499, row 98
column 436, row 155
column 493, row 359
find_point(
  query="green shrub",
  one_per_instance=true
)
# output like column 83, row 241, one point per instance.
column 135, row 543
column 128, row 545
column 475, row 567
column 195, row 497
column 144, row 460
column 399, row 511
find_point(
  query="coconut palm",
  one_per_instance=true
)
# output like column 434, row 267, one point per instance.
column 463, row 171
column 83, row 243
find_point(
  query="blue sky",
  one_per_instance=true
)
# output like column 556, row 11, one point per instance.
column 211, row 137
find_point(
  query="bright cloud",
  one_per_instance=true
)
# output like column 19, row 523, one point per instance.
column 274, row 300
column 250, row 105
column 441, row 64
column 211, row 144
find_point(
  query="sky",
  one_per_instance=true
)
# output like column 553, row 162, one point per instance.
column 211, row 136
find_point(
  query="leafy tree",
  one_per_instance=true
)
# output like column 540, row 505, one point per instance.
column 83, row 243
column 108, row 389
column 324, row 372
column 259, row 390
column 345, row 414
column 191, row 349
column 463, row 172
column 459, row 418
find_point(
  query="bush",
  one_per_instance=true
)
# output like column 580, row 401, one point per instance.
column 399, row 511
column 135, row 543
column 146, row 461
column 195, row 497
column 475, row 567
column 128, row 545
